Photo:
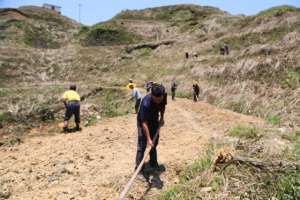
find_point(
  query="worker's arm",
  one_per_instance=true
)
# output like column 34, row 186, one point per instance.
column 147, row 134
column 65, row 99
column 162, row 115
column 65, row 103
column 131, row 96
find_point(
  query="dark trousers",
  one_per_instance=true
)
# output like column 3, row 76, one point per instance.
column 196, row 96
column 173, row 94
column 142, row 144
column 137, row 105
column 72, row 108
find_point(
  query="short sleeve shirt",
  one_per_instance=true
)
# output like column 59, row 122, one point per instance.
column 149, row 111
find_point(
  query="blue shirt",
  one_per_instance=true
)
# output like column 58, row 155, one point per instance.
column 149, row 111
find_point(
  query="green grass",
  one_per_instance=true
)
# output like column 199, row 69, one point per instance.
column 2, row 117
column 246, row 132
column 39, row 37
column 277, row 11
column 290, row 79
column 288, row 186
column 91, row 120
column 245, row 40
column 274, row 119
column 294, row 138
column 185, row 189
column 107, row 34
column 183, row 94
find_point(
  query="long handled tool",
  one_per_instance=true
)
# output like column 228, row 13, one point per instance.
column 129, row 184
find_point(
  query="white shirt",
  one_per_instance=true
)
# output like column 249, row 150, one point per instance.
column 136, row 94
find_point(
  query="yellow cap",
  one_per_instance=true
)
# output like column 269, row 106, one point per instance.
column 130, row 85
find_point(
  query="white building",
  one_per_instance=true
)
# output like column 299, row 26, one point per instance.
column 52, row 7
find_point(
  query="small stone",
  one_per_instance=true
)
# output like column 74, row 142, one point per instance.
column 206, row 189
column 65, row 171
column 87, row 157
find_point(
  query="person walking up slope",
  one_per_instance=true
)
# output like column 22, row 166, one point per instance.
column 136, row 95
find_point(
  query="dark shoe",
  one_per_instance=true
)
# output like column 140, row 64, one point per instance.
column 141, row 177
column 157, row 168
column 65, row 130
column 78, row 129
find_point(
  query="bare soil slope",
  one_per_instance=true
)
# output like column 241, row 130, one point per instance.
column 97, row 163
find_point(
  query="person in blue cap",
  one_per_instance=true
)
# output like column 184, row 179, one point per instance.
column 149, row 118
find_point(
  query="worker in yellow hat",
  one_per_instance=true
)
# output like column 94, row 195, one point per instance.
column 136, row 95
column 130, row 83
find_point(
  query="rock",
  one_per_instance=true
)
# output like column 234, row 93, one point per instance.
column 87, row 157
column 5, row 192
column 65, row 171
column 206, row 189
column 52, row 179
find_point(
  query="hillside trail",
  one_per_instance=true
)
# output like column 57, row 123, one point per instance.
column 97, row 162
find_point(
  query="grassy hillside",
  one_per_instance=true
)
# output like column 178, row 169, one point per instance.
column 260, row 76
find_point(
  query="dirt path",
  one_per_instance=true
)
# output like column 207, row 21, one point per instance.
column 96, row 163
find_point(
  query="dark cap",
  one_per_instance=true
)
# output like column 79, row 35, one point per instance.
column 73, row 87
column 158, row 90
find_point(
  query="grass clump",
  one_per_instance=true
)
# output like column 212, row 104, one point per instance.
column 291, row 79
column 243, row 132
column 274, row 119
column 91, row 120
column 185, row 189
column 39, row 37
column 277, row 11
column 107, row 34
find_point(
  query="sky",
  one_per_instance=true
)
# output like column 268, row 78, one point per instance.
column 94, row 11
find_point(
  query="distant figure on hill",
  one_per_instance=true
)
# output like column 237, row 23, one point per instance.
column 173, row 89
column 136, row 95
column 226, row 49
column 187, row 55
column 71, row 100
column 222, row 51
column 196, row 91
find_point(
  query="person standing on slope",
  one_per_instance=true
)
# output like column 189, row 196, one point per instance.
column 136, row 95
column 196, row 91
column 149, row 118
column 71, row 100
column 173, row 89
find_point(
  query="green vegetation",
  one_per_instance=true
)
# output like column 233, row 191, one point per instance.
column 113, row 102
column 170, row 13
column 277, row 11
column 243, row 132
column 274, row 119
column 294, row 138
column 1, row 118
column 290, row 79
column 107, row 34
column 245, row 40
column 186, row 189
column 91, row 120
column 288, row 186
column 46, row 15
column 39, row 37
